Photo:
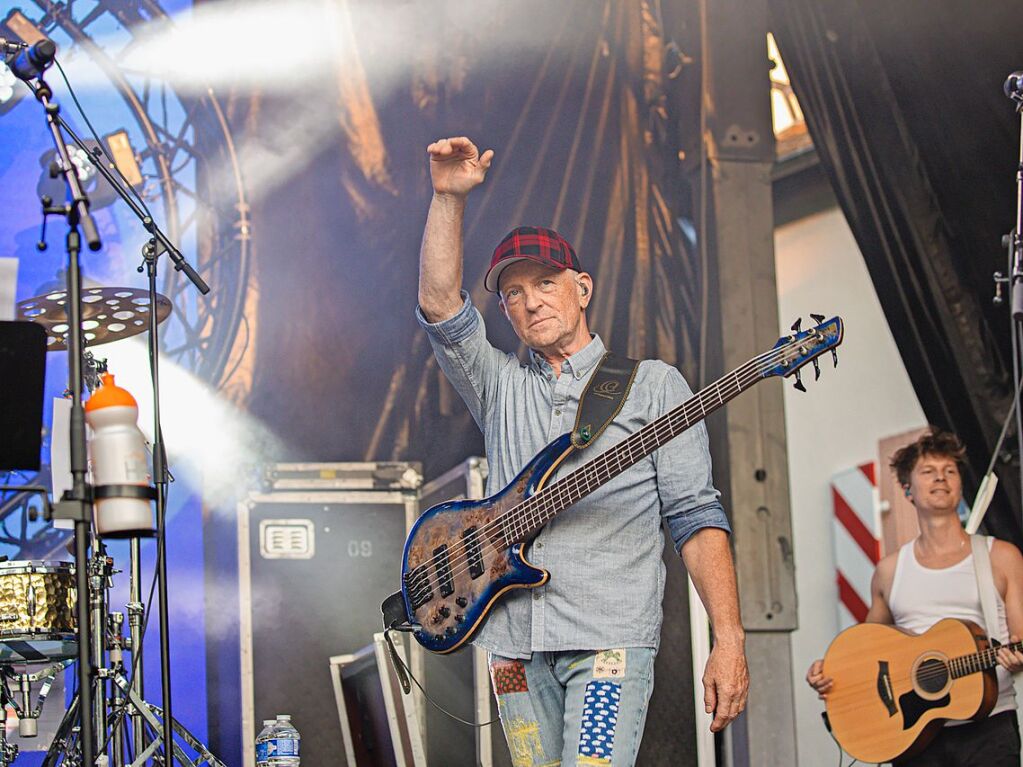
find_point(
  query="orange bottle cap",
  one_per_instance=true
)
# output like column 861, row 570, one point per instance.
column 110, row 395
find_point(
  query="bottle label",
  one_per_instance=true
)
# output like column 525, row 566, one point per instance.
column 287, row 747
column 261, row 752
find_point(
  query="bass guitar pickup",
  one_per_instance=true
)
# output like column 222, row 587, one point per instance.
column 473, row 552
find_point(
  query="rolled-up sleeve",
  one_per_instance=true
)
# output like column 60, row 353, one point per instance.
column 466, row 357
column 689, row 500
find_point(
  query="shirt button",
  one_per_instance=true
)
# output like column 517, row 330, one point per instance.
column 539, row 544
column 557, row 412
column 536, row 596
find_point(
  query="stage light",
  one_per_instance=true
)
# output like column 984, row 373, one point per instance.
column 18, row 26
column 83, row 163
column 101, row 194
column 119, row 146
column 8, row 94
column 15, row 27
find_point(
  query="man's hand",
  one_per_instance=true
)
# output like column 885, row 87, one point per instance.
column 725, row 684
column 456, row 166
column 1011, row 661
column 816, row 679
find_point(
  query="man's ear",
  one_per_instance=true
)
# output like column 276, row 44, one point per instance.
column 584, row 283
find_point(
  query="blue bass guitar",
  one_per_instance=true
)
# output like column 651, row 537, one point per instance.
column 462, row 556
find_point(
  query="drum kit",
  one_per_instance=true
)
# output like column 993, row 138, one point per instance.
column 39, row 637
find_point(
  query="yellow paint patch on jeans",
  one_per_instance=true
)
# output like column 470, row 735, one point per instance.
column 524, row 744
column 592, row 761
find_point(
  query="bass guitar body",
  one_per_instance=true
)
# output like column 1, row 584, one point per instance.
column 894, row 690
column 458, row 561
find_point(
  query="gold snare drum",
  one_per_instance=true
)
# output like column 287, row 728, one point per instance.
column 37, row 611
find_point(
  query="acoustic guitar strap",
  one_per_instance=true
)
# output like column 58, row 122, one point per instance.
column 603, row 398
column 986, row 587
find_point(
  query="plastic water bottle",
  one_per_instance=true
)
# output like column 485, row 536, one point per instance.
column 262, row 740
column 117, row 453
column 283, row 746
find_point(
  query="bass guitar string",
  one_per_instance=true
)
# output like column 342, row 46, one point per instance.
column 564, row 488
column 573, row 482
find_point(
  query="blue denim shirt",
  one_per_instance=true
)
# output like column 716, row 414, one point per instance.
column 604, row 553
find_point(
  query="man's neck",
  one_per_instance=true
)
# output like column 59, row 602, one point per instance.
column 555, row 355
column 940, row 533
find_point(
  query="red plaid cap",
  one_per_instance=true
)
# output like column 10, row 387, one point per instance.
column 545, row 246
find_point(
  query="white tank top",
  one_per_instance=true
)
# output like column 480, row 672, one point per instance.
column 921, row 596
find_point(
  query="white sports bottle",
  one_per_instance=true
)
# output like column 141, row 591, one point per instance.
column 117, row 454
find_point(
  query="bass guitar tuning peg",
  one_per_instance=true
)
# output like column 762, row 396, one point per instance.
column 799, row 382
column 818, row 318
column 816, row 369
column 797, row 325
column 834, row 357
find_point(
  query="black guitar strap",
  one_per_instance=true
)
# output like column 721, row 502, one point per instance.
column 603, row 398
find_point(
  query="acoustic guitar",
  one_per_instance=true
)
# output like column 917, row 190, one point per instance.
column 894, row 690
column 462, row 556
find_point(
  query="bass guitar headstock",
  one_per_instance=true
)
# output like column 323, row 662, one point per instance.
column 791, row 353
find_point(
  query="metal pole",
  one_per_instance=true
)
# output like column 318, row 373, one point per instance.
column 135, row 613
column 160, row 480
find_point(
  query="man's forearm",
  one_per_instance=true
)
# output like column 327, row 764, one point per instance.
column 440, row 258
column 708, row 559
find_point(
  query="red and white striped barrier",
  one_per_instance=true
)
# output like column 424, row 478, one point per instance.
column 857, row 539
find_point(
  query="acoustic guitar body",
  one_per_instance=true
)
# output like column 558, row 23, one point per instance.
column 893, row 690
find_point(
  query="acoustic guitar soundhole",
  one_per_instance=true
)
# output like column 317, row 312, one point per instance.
column 932, row 675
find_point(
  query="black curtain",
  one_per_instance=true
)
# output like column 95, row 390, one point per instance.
column 905, row 107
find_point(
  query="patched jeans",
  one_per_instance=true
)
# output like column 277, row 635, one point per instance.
column 574, row 708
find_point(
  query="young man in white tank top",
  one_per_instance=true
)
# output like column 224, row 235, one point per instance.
column 931, row 578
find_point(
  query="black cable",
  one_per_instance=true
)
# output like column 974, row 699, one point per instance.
column 430, row 700
column 99, row 142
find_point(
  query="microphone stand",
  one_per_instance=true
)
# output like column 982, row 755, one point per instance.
column 1014, row 90
column 158, row 244
column 151, row 252
column 76, row 503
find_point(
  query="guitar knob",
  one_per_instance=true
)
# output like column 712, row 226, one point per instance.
column 461, row 601
column 450, row 630
column 444, row 611
column 459, row 617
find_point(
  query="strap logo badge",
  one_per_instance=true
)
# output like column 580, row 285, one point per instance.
column 609, row 389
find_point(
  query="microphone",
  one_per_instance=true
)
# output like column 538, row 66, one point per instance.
column 29, row 63
column 8, row 47
column 1014, row 86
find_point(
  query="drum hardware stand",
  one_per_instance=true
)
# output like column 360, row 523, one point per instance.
column 123, row 704
column 28, row 715
column 136, row 613
column 101, row 568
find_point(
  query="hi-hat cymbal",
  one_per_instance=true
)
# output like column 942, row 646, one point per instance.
column 108, row 314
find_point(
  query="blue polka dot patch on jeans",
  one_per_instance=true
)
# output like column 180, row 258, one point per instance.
column 600, row 715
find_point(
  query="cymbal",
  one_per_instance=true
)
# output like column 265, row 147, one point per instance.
column 108, row 314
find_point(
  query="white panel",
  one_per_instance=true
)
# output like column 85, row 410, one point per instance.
column 854, row 565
